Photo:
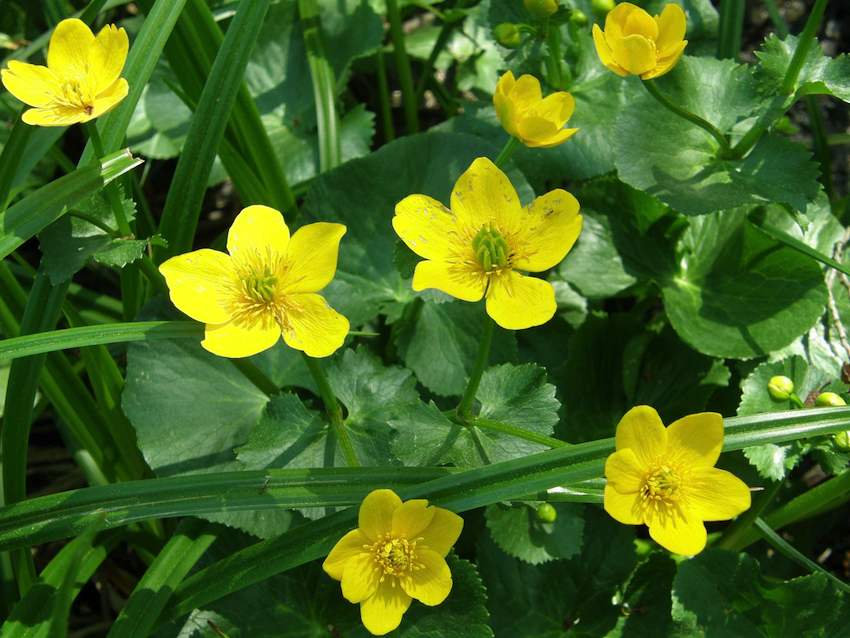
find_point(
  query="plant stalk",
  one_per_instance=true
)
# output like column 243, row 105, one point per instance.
column 332, row 409
column 464, row 408
column 705, row 125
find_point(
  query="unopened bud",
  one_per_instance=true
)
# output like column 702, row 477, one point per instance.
column 829, row 400
column 602, row 6
column 507, row 34
column 541, row 9
column 780, row 387
column 578, row 18
column 842, row 440
column 546, row 513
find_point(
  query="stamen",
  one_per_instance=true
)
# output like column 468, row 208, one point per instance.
column 490, row 248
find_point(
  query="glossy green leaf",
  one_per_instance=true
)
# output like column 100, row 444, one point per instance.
column 518, row 532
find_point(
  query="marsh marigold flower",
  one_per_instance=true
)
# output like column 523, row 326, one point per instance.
column 266, row 287
column 665, row 478
column 82, row 79
column 636, row 43
column 397, row 553
column 476, row 249
column 525, row 114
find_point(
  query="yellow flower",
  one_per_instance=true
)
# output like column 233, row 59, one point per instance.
column 265, row 287
column 476, row 249
column 525, row 114
column 636, row 43
column 396, row 553
column 81, row 80
column 666, row 478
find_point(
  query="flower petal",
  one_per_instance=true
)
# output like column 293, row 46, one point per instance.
column 679, row 534
column 484, row 195
column 110, row 98
column 54, row 116
column 425, row 225
column 553, row 225
column 502, row 102
column 311, row 257
column 640, row 22
column 347, row 548
column 557, row 108
column 313, row 326
column 242, row 338
column 624, row 471
column 635, row 53
column 411, row 517
column 360, row 577
column 443, row 531
column 603, row 50
column 257, row 230
column 717, row 495
column 516, row 302
column 456, row 280
column 375, row 517
column 665, row 64
column 432, row 583
column 382, row 612
column 672, row 25
column 642, row 431
column 622, row 507
column 30, row 83
column 107, row 56
column 198, row 284
column 616, row 19
column 526, row 92
column 537, row 133
column 68, row 51
column 696, row 439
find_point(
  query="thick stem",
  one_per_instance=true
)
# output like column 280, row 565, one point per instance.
column 807, row 38
column 708, row 127
column 333, row 410
column 464, row 408
column 384, row 97
column 507, row 151
column 405, row 75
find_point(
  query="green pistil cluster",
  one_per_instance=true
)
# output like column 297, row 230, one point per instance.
column 491, row 249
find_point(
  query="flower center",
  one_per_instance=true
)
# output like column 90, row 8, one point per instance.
column 74, row 96
column 661, row 486
column 261, row 288
column 395, row 556
column 491, row 249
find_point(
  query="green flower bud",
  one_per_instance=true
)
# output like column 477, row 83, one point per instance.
column 780, row 387
column 602, row 6
column 541, row 9
column 578, row 18
column 507, row 34
column 829, row 400
column 842, row 440
column 546, row 513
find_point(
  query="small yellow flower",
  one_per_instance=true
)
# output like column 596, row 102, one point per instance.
column 525, row 114
column 265, row 287
column 82, row 79
column 476, row 248
column 636, row 43
column 665, row 478
column 396, row 553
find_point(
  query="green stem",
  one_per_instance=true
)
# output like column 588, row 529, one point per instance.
column 94, row 221
column 708, row 127
column 464, row 408
column 507, row 151
column 255, row 376
column 405, row 75
column 776, row 18
column 333, row 410
column 731, row 27
column 384, row 97
column 553, row 60
column 741, row 526
column 520, row 433
column 807, row 38
column 112, row 195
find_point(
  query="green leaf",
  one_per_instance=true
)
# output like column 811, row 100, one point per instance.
column 518, row 532
column 820, row 75
column 675, row 161
column 726, row 260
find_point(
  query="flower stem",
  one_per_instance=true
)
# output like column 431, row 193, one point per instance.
column 507, row 150
column 708, row 127
column 464, row 408
column 740, row 527
column 520, row 433
column 111, row 194
column 405, row 75
column 333, row 410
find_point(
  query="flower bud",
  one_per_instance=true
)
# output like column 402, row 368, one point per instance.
column 602, row 6
column 780, row 387
column 829, row 400
column 541, row 9
column 546, row 513
column 507, row 34
column 842, row 440
column 578, row 18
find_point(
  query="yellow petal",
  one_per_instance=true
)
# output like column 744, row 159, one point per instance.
column 537, row 133
column 616, row 19
column 443, row 531
column 347, row 547
column 110, row 98
column 696, row 440
column 425, row 225
column 639, row 22
column 642, row 431
column 257, row 230
column 557, row 108
column 311, row 257
column 516, row 302
column 107, row 56
column 671, row 29
column 30, row 83
column 622, row 507
column 634, row 53
column 526, row 92
column 502, row 102
column 484, row 194
column 505, row 83
column 360, row 577
column 716, row 495
column 241, row 338
column 624, row 471
column 54, row 116
column 312, row 326
column 382, row 612
column 551, row 228
column 453, row 279
column 667, row 63
column 603, row 50
column 68, row 51
column 411, row 517
column 678, row 534
column 376, row 513
column 199, row 284
column 431, row 583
